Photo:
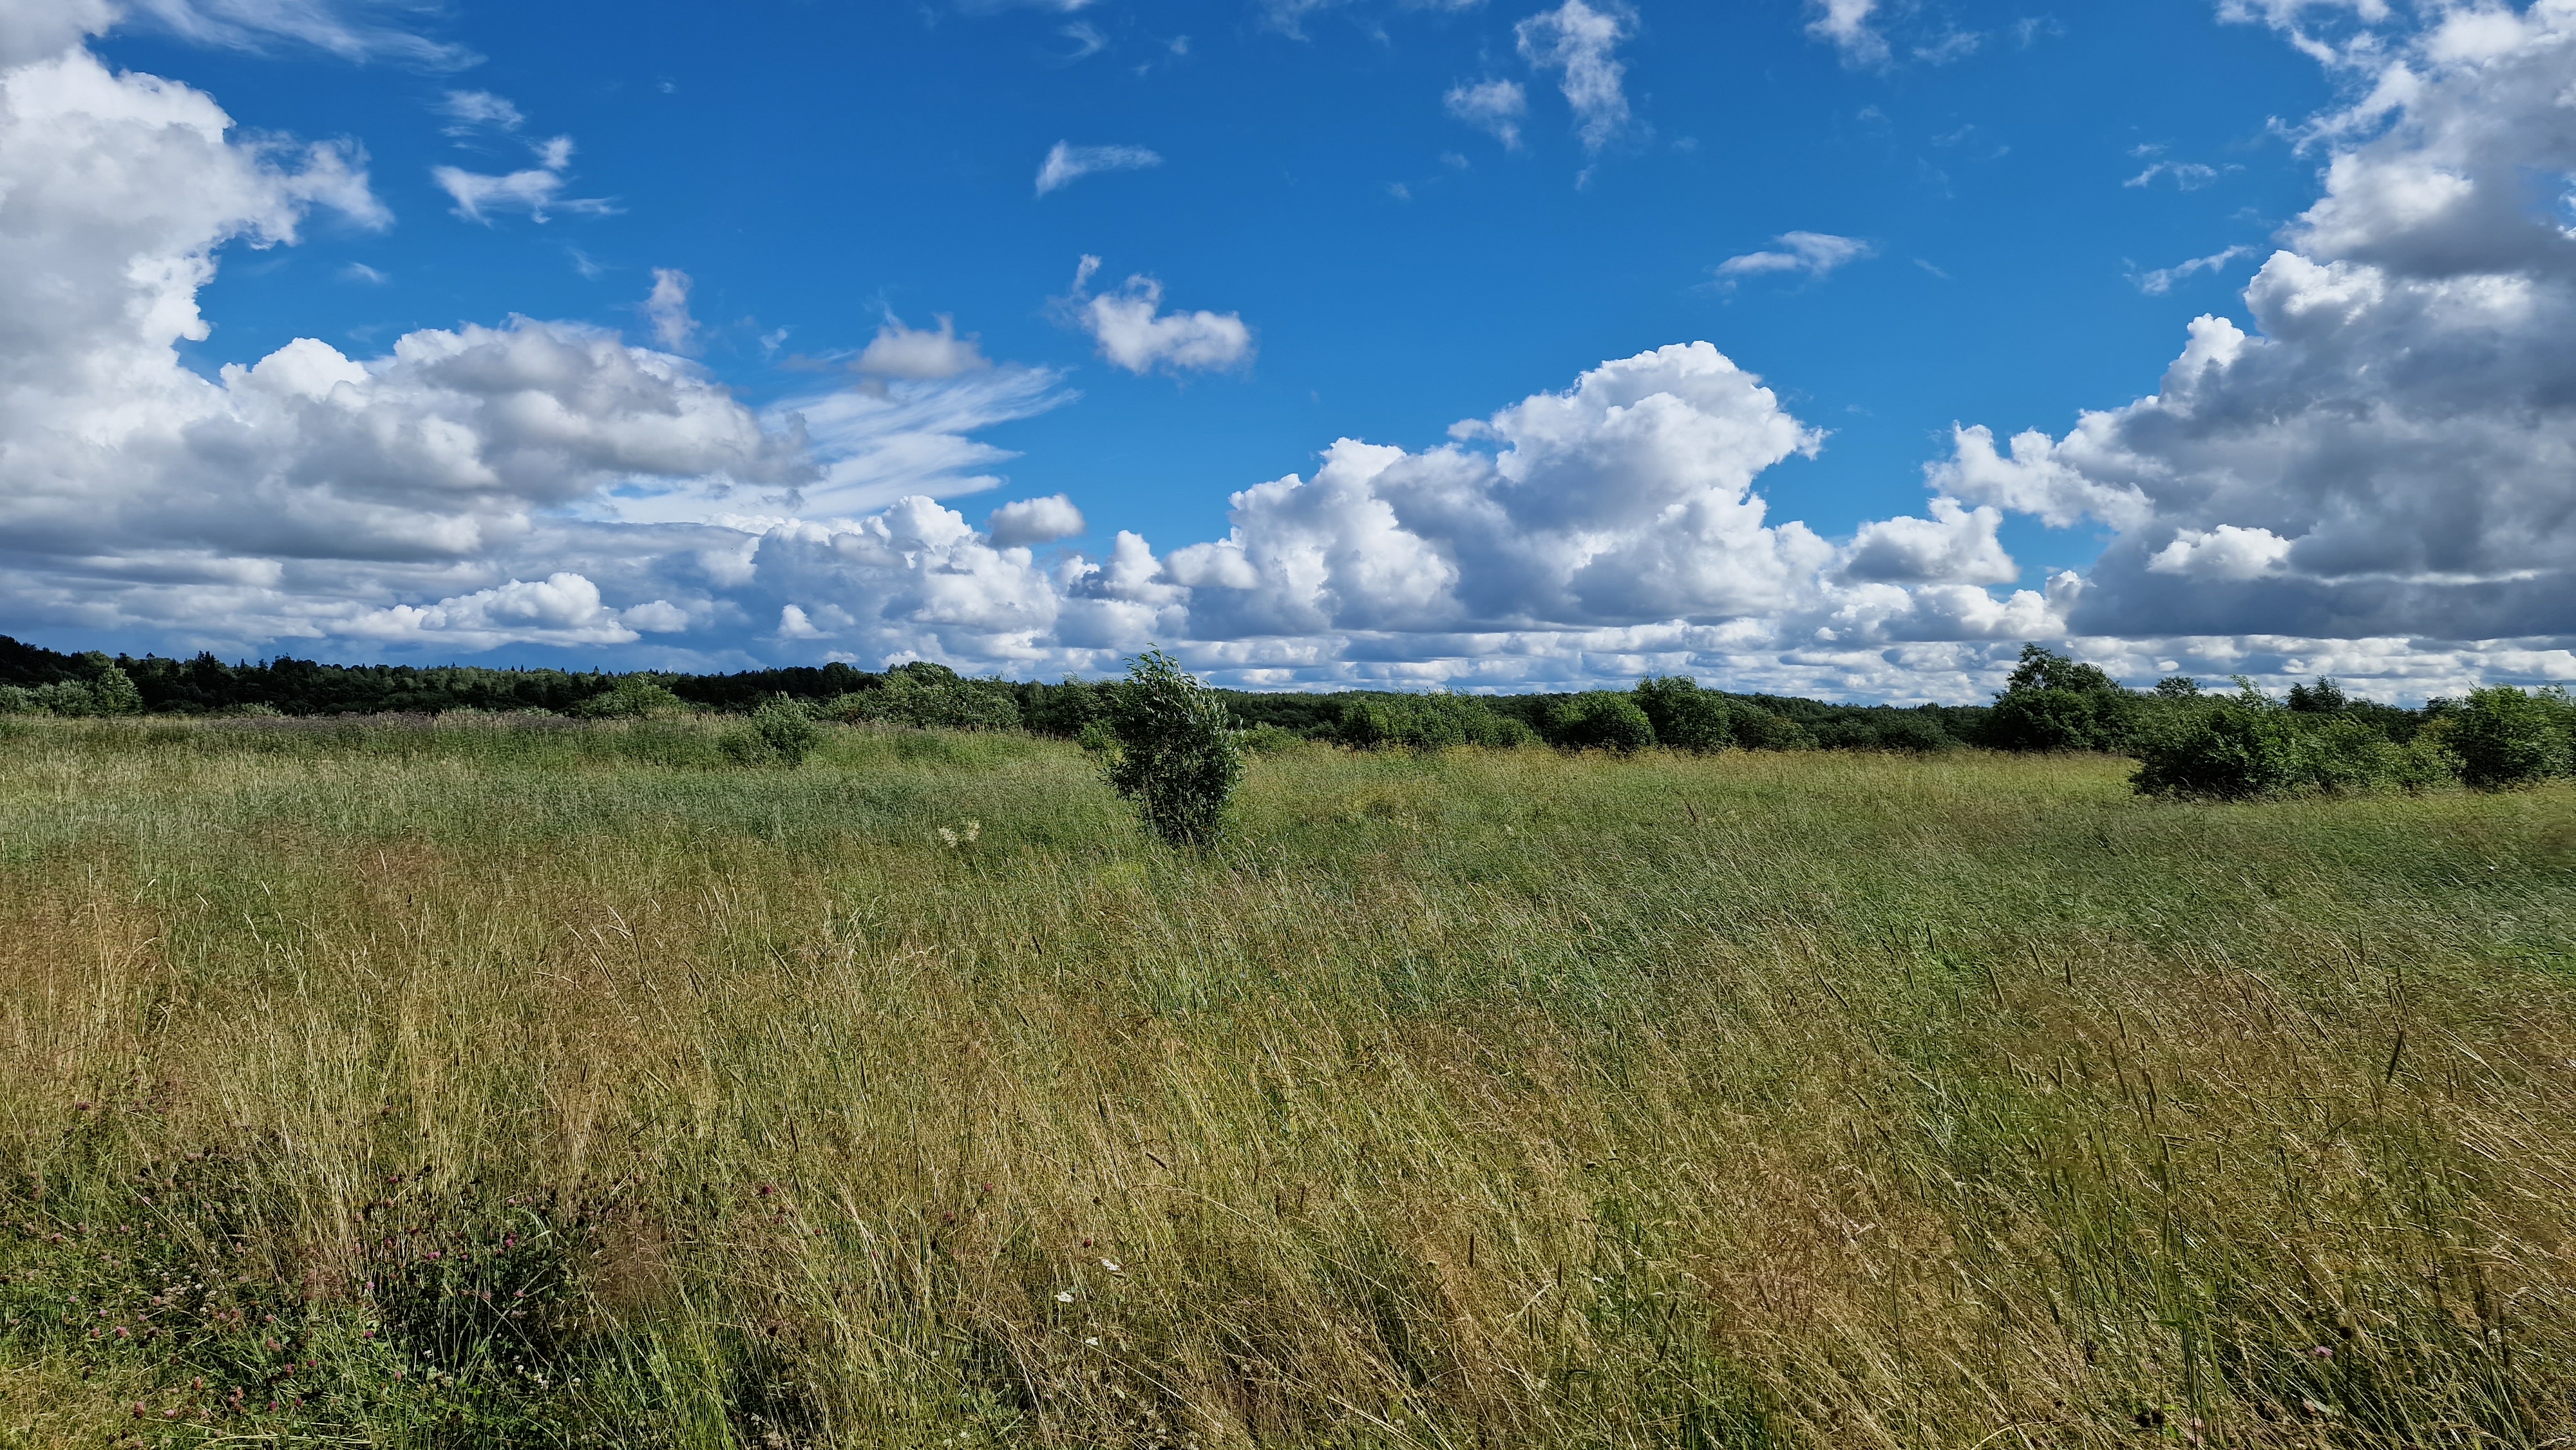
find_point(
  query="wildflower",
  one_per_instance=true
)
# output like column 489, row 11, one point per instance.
column 1064, row 1296
column 1112, row 1266
column 1093, row 1341
column 2322, row 1352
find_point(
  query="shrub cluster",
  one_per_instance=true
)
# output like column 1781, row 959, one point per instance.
column 930, row 697
column 781, row 732
column 96, row 686
column 1423, row 722
column 2246, row 746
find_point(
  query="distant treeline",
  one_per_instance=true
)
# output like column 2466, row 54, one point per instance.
column 2189, row 741
column 34, row 679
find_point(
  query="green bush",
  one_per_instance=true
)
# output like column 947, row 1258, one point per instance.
column 1265, row 740
column 2236, row 749
column 2247, row 746
column 931, row 697
column 2505, row 738
column 780, row 732
column 1758, row 729
column 1176, row 755
column 1423, row 722
column 1684, row 716
column 633, row 697
column 1598, row 720
column 17, row 701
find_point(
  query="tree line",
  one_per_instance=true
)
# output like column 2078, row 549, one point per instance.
column 2189, row 741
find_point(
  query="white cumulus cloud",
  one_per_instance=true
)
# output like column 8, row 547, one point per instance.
column 898, row 351
column 1135, row 333
column 1034, row 521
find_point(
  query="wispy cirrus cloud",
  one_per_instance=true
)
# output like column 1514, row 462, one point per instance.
column 1581, row 43
column 1067, row 163
column 537, row 190
column 1492, row 106
column 1806, row 254
column 2161, row 281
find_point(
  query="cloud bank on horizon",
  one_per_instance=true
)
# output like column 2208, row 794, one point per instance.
column 2377, row 479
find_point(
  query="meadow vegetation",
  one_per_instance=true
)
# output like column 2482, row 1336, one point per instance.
column 671, row 1079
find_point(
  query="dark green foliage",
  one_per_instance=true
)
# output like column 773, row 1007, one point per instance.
column 1686, row 717
column 1176, row 755
column 1773, row 730
column 2231, row 750
column 1598, row 720
column 2325, row 697
column 2505, row 738
column 2178, row 687
column 2245, row 746
column 932, row 697
column 2051, row 702
column 633, row 697
column 2044, row 669
column 1424, row 722
column 1268, row 740
column 1062, row 710
column 781, row 732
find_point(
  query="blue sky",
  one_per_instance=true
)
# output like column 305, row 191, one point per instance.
column 813, row 166
column 1992, row 216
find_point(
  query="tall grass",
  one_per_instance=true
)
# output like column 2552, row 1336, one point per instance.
column 1470, row 1099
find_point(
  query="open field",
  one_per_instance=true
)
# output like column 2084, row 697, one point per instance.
column 498, row 1086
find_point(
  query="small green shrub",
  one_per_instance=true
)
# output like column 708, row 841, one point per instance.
column 1684, row 716
column 15, row 700
column 1176, row 754
column 2505, row 738
column 1263, row 740
column 780, row 732
column 633, row 697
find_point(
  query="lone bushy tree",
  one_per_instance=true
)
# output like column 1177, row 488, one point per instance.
column 2051, row 702
column 1177, row 758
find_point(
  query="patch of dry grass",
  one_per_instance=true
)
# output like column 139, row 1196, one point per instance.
column 1485, row 1099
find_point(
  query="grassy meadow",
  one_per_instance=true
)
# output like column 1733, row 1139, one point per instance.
column 486, row 1084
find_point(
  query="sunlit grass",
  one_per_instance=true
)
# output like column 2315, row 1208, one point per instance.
column 1491, row 1099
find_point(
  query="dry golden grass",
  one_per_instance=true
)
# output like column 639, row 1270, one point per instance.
column 1503, row 1099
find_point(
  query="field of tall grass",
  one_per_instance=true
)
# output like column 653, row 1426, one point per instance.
column 420, row 1084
